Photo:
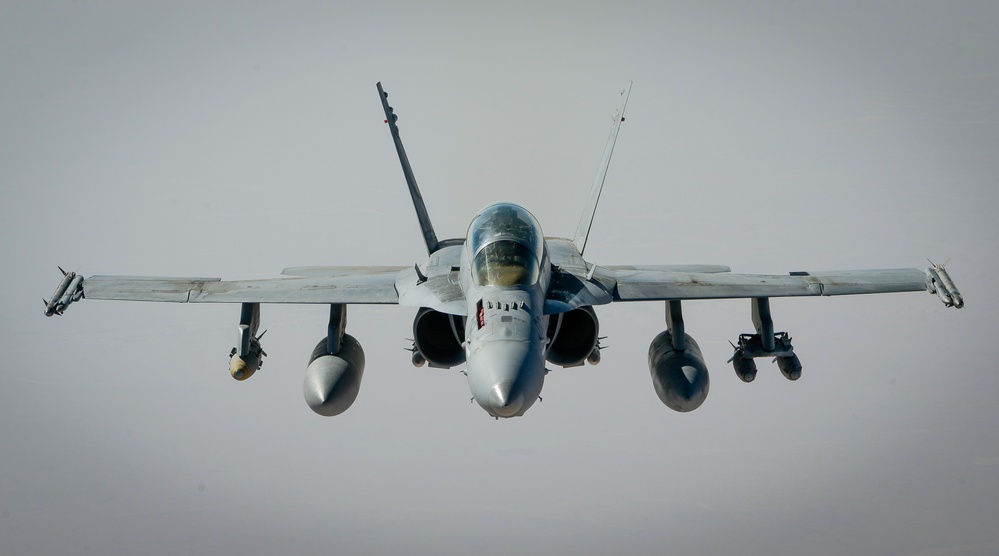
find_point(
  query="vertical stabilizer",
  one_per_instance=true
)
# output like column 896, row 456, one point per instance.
column 586, row 220
column 421, row 209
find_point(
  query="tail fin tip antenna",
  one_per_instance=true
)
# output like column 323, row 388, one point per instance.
column 421, row 209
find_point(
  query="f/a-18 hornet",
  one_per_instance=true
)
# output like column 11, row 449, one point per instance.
column 505, row 300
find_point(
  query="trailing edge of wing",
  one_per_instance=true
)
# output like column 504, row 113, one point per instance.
column 651, row 285
column 358, row 288
column 586, row 220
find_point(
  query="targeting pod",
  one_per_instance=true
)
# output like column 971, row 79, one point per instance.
column 941, row 284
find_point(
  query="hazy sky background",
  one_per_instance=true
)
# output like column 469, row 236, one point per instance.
column 232, row 140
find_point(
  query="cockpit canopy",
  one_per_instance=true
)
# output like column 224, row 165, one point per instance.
column 505, row 246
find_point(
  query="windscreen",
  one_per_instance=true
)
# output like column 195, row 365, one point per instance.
column 506, row 245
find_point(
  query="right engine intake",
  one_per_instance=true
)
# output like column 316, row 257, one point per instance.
column 679, row 377
column 573, row 338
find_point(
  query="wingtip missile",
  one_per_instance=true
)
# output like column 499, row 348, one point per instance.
column 70, row 289
column 941, row 283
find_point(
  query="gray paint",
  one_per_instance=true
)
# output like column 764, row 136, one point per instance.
column 214, row 140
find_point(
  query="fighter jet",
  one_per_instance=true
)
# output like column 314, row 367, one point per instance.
column 505, row 301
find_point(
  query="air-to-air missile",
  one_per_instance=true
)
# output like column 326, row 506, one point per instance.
column 944, row 286
column 68, row 291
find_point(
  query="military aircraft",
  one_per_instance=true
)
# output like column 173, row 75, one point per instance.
column 506, row 299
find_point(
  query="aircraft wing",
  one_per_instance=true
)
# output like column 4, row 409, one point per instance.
column 436, row 286
column 369, row 287
column 576, row 283
column 646, row 285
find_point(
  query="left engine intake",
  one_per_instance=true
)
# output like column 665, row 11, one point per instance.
column 679, row 376
column 437, row 338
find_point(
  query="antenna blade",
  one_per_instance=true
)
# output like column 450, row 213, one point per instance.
column 421, row 209
column 586, row 220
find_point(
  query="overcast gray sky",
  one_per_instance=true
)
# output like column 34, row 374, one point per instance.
column 220, row 139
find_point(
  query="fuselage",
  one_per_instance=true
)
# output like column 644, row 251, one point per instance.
column 505, row 276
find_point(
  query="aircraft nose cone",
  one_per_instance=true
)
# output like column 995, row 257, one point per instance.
column 504, row 401
column 506, row 377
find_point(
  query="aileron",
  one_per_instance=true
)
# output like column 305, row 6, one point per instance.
column 143, row 288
